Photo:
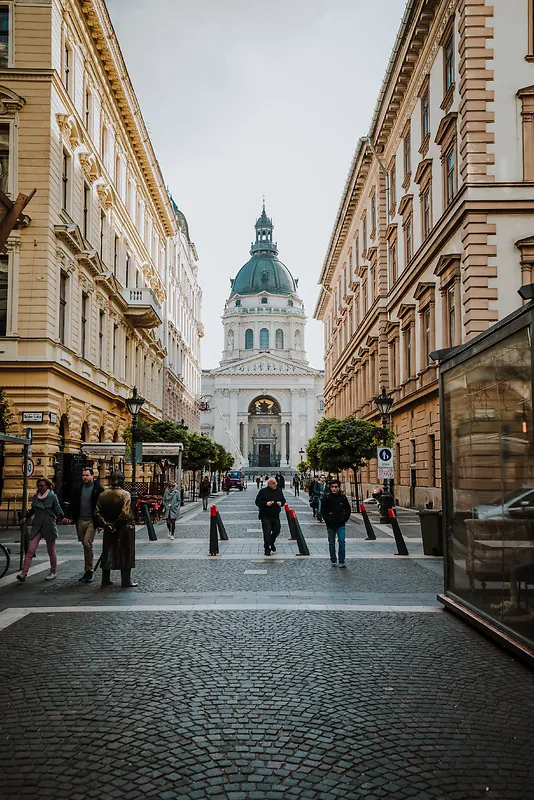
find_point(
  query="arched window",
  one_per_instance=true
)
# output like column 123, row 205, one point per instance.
column 264, row 339
column 249, row 339
column 279, row 339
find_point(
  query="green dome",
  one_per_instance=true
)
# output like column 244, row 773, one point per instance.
column 264, row 272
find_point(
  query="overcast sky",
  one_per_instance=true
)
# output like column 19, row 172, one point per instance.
column 247, row 97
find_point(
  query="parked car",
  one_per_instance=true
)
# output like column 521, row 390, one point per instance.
column 237, row 479
column 519, row 503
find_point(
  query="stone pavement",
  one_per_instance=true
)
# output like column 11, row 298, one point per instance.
column 242, row 677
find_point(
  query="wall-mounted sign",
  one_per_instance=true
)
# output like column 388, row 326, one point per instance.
column 103, row 450
column 32, row 416
column 53, row 418
column 162, row 449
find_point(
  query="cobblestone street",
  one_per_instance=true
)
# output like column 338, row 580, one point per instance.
column 243, row 677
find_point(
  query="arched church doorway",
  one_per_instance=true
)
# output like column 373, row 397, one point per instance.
column 265, row 423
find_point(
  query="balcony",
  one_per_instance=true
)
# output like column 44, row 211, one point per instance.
column 143, row 310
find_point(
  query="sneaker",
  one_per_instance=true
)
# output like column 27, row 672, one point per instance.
column 21, row 577
column 172, row 538
column 51, row 576
column 334, row 563
column 267, row 552
column 342, row 566
column 273, row 548
column 87, row 577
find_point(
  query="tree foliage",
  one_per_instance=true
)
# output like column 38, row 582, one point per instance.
column 348, row 443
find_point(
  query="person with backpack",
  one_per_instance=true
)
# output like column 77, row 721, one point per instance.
column 336, row 512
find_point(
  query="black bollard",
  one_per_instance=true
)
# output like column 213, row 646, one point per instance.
column 367, row 522
column 299, row 536
column 402, row 550
column 148, row 521
column 289, row 522
column 214, row 535
column 220, row 527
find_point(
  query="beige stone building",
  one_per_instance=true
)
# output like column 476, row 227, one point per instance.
column 435, row 230
column 82, row 287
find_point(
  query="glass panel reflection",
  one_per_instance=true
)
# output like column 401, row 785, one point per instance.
column 490, row 466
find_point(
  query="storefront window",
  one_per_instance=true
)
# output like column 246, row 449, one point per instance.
column 490, row 482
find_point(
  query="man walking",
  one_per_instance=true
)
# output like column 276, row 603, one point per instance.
column 270, row 501
column 296, row 485
column 280, row 481
column 336, row 512
column 82, row 512
column 113, row 513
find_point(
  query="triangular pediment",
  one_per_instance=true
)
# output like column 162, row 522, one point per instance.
column 265, row 364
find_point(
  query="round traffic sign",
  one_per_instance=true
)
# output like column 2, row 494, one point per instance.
column 385, row 454
column 30, row 467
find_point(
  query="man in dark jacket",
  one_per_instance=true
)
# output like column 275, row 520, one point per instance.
column 82, row 513
column 336, row 512
column 270, row 501
column 280, row 481
column 113, row 513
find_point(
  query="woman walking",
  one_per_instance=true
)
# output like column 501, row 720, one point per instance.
column 43, row 515
column 204, row 492
column 171, row 507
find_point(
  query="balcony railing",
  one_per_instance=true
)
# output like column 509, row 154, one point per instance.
column 143, row 310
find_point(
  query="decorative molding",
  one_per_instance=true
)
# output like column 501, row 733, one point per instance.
column 69, row 128
column 10, row 102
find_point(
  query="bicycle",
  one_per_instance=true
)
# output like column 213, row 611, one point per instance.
column 5, row 560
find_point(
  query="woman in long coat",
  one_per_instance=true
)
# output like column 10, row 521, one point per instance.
column 113, row 514
column 171, row 507
column 43, row 515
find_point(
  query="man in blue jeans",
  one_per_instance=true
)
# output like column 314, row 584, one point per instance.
column 336, row 512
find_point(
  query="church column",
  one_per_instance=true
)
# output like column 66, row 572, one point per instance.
column 310, row 414
column 295, row 426
column 233, row 414
column 247, row 449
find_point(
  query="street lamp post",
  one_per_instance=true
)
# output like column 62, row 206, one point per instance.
column 301, row 454
column 383, row 402
column 134, row 405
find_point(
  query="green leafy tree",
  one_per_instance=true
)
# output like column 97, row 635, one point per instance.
column 224, row 460
column 199, row 451
column 348, row 443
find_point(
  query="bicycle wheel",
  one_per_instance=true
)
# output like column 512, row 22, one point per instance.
column 4, row 560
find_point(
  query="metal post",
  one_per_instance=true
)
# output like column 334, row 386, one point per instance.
column 134, row 467
column 180, row 479
column 367, row 522
column 402, row 550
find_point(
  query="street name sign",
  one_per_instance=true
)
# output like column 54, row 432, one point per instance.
column 162, row 448
column 103, row 450
column 384, row 456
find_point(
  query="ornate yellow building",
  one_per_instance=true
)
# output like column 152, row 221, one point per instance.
column 433, row 236
column 83, row 285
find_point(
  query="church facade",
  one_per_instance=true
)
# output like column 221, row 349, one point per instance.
column 264, row 400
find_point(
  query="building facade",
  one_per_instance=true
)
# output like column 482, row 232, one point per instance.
column 264, row 400
column 433, row 236
column 83, row 285
column 182, row 328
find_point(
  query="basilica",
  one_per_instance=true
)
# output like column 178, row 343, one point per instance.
column 264, row 400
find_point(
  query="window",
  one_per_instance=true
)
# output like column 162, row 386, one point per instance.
column 408, row 352
column 115, row 254
column 65, row 175
column 373, row 213
column 264, row 339
column 62, row 306
column 451, row 316
column 427, row 211
column 4, row 282
column 356, row 254
column 237, row 303
column 127, row 271
column 88, row 101
column 279, row 339
column 393, row 266
column 4, row 158
column 86, row 210
column 67, row 55
column 427, row 334
column 432, row 459
column 393, row 186
column 373, row 284
column 102, row 233
column 114, row 348
column 365, row 233
column 4, row 37
column 249, row 339
column 127, row 359
column 408, row 153
column 448, row 62
column 84, row 321
column 425, row 113
column 104, row 144
column 290, row 302
column 450, row 174
column 101, row 322
column 264, row 300
column 408, row 238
